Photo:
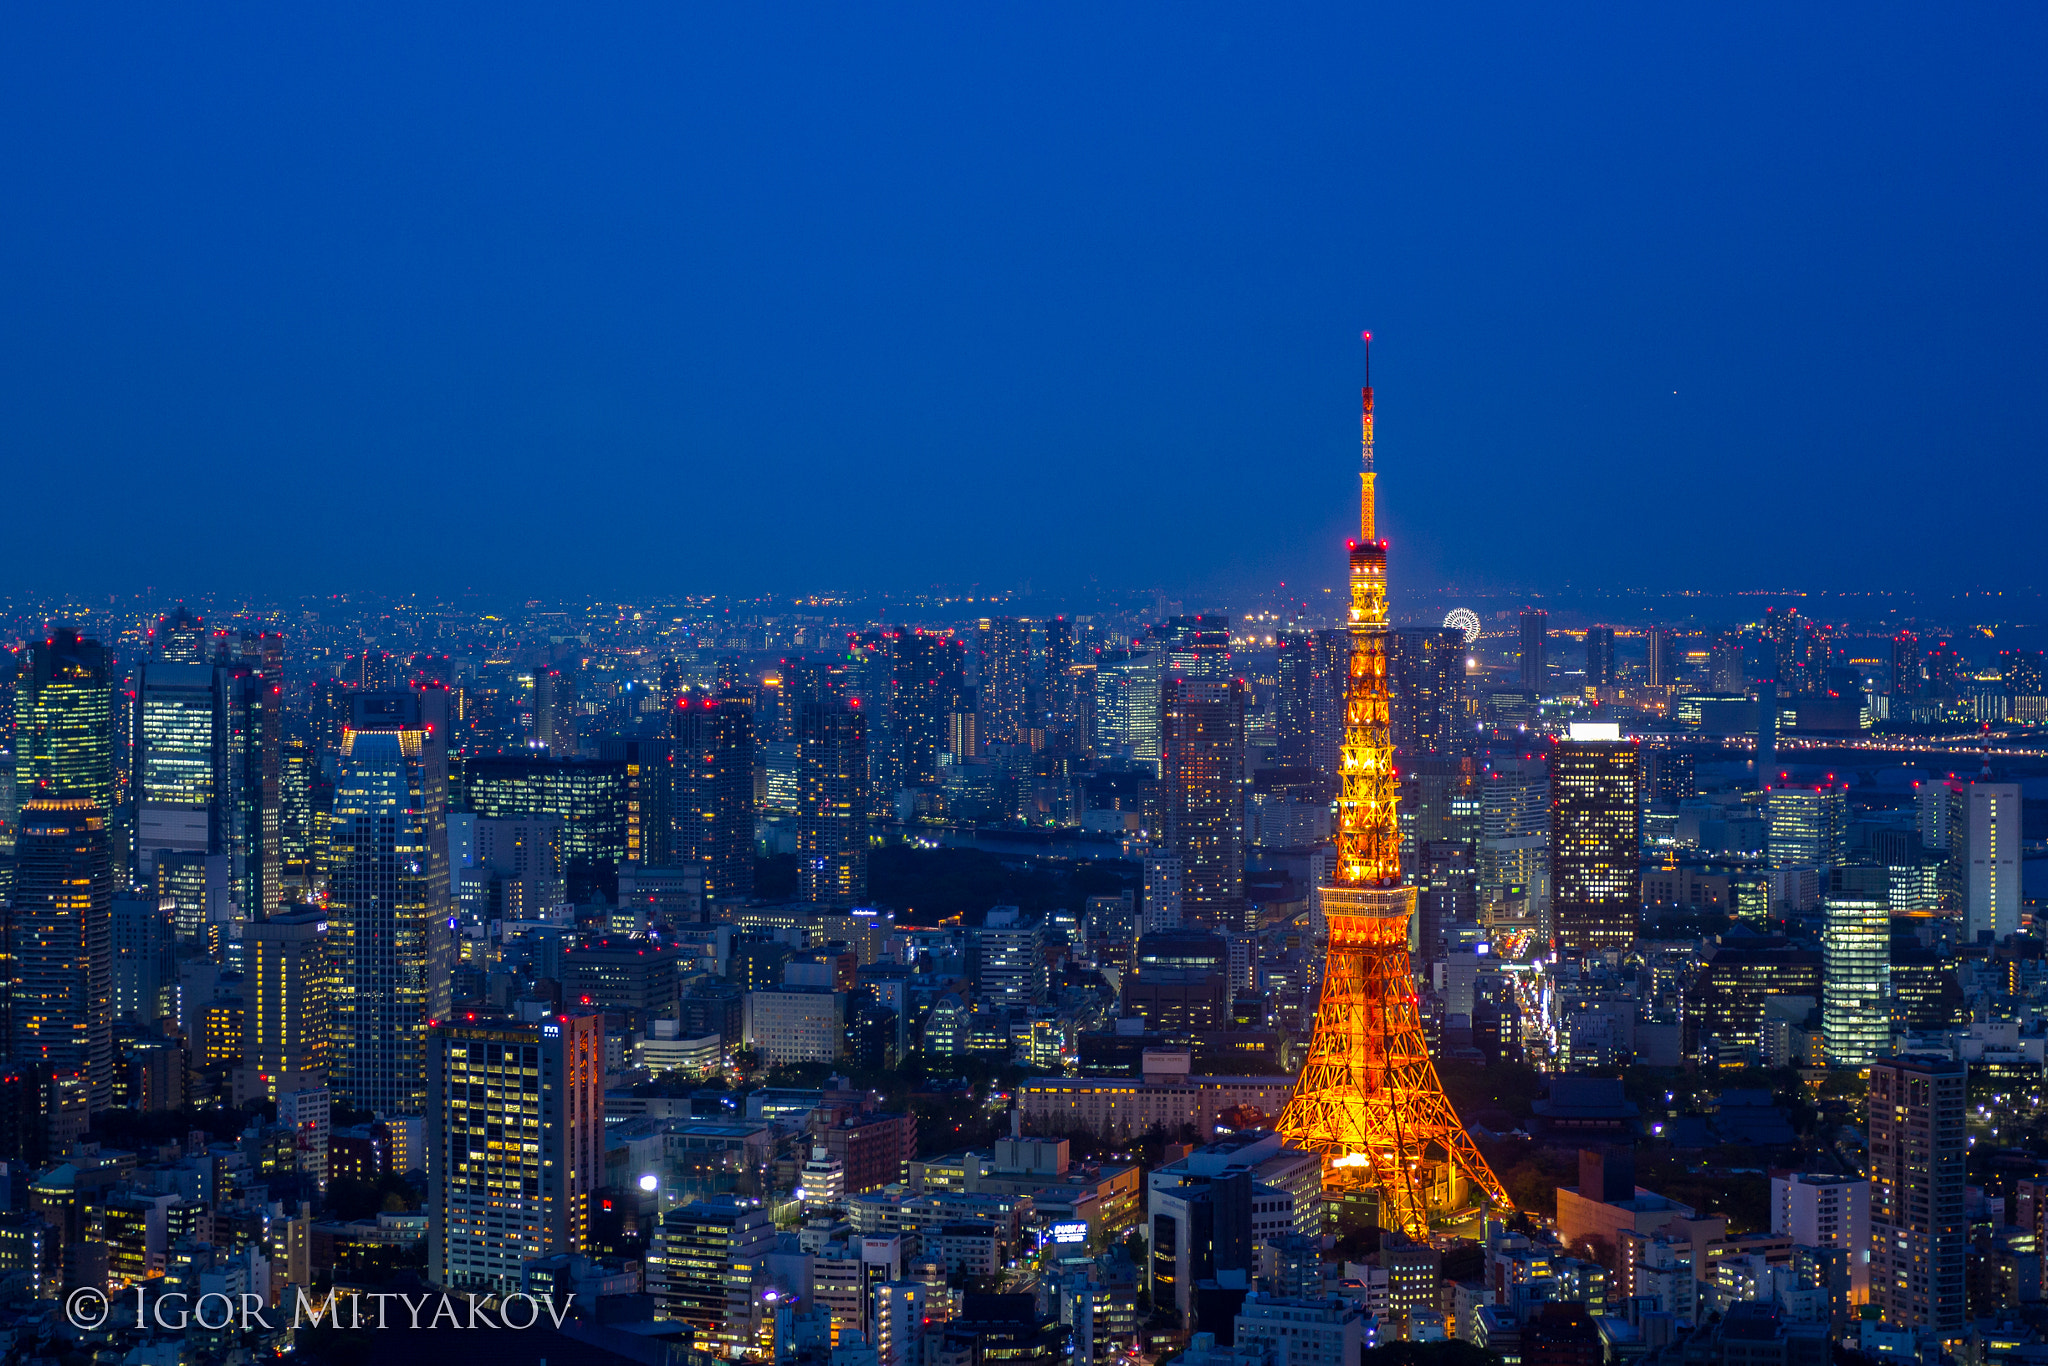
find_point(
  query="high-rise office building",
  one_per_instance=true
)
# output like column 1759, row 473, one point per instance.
column 871, row 659
column 650, row 769
column 389, row 907
column 1427, row 668
column 1005, row 685
column 1809, row 826
column 1162, row 893
column 1127, row 709
column 1514, row 828
column 1918, row 1231
column 714, row 793
column 288, row 980
column 1441, row 799
column 1986, row 850
column 1596, row 835
column 1196, row 647
column 1202, row 797
column 832, row 804
column 180, row 760
column 1536, row 652
column 208, row 762
column 297, row 764
column 64, row 735
column 180, row 638
column 515, row 1145
column 591, row 797
column 60, row 938
column 1006, row 958
column 1600, row 657
column 1079, row 700
column 1856, row 1023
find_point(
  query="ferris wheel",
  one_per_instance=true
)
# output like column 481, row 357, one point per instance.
column 1463, row 619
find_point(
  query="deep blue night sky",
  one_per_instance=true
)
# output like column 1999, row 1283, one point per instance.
column 636, row 300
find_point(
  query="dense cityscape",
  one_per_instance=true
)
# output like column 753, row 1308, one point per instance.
column 780, row 686
column 931, row 984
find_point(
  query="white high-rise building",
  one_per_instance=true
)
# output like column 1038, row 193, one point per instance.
column 897, row 1314
column 824, row 1181
column 1162, row 893
column 1987, row 851
column 1826, row 1211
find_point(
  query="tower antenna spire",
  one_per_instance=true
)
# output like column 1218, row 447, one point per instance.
column 1368, row 512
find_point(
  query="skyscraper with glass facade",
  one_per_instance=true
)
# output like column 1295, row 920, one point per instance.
column 1855, row 1012
column 64, row 737
column 1127, row 709
column 1809, row 826
column 180, row 760
column 389, row 912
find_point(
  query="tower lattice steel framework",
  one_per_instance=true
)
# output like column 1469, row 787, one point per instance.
column 1369, row 1098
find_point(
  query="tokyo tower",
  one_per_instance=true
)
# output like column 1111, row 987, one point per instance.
column 1369, row 1099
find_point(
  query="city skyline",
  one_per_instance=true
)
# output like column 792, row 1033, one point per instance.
column 712, row 673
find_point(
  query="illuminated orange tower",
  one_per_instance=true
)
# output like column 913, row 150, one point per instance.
column 1369, row 1099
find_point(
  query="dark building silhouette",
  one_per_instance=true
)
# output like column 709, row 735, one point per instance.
column 713, row 793
column 60, row 941
column 1428, row 687
column 1600, row 657
column 832, row 804
column 1535, row 652
column 928, row 687
column 1201, row 726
